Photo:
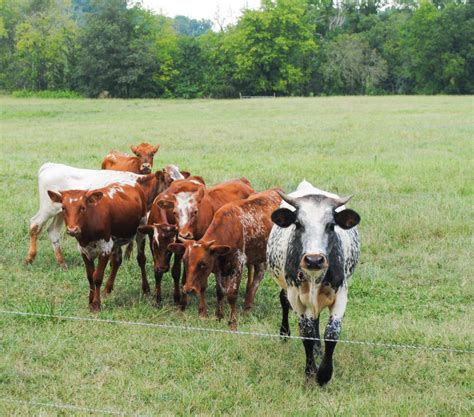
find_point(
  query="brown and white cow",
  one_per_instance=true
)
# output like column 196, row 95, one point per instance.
column 236, row 237
column 57, row 177
column 102, row 220
column 142, row 163
column 194, row 205
column 163, row 230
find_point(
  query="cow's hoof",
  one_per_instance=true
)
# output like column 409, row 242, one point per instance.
column 284, row 333
column 158, row 303
column 233, row 326
column 63, row 265
column 94, row 307
column 146, row 290
column 203, row 315
column 28, row 260
column 324, row 374
column 247, row 309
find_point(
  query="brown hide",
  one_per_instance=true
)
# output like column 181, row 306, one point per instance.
column 142, row 163
column 238, row 228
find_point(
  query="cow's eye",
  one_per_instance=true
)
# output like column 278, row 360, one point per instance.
column 331, row 226
column 63, row 209
column 82, row 208
column 202, row 265
column 298, row 225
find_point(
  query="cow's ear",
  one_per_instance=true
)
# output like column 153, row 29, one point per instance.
column 199, row 178
column 155, row 148
column 283, row 217
column 55, row 197
column 165, row 204
column 94, row 198
column 177, row 248
column 220, row 250
column 134, row 149
column 146, row 230
column 185, row 174
column 347, row 218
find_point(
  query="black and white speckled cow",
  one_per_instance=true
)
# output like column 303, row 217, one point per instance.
column 312, row 251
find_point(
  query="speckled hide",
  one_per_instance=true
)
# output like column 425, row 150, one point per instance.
column 312, row 252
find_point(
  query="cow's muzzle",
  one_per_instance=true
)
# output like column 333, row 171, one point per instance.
column 73, row 231
column 188, row 289
column 145, row 168
column 314, row 261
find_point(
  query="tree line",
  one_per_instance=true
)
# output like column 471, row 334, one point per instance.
column 118, row 48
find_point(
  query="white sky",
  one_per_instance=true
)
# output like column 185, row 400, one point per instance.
column 228, row 10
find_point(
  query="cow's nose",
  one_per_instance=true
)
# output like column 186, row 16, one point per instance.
column 187, row 235
column 73, row 231
column 145, row 168
column 315, row 261
column 162, row 269
column 189, row 290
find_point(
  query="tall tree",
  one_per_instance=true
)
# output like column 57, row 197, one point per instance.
column 273, row 48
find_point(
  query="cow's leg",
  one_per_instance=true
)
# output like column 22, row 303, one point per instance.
column 250, row 275
column 158, row 278
column 184, row 296
column 317, row 346
column 176, row 274
column 202, row 309
column 257, row 279
column 141, row 259
column 220, row 300
column 307, row 329
column 97, row 278
column 54, row 230
column 115, row 262
column 36, row 224
column 90, row 276
column 232, row 291
column 285, row 308
column 332, row 331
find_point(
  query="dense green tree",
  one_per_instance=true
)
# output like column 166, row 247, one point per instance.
column 191, row 27
column 272, row 48
column 351, row 66
column 44, row 44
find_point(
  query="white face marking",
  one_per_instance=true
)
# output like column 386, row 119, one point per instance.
column 195, row 182
column 185, row 204
column 156, row 236
column 73, row 200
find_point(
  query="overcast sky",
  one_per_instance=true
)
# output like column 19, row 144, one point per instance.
column 202, row 9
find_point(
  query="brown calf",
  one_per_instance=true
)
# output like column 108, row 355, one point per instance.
column 194, row 206
column 142, row 163
column 237, row 236
column 163, row 231
column 103, row 220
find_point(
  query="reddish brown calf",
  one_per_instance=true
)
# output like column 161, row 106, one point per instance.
column 142, row 163
column 194, row 206
column 237, row 236
column 103, row 220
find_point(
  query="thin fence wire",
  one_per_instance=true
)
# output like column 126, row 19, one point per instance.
column 236, row 333
column 70, row 407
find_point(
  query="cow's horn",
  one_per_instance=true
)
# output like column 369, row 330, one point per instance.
column 291, row 201
column 342, row 200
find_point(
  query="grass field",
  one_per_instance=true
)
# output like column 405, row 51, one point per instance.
column 409, row 162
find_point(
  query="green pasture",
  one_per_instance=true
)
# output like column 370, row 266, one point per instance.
column 407, row 160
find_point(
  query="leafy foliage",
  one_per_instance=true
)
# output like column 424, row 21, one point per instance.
column 118, row 48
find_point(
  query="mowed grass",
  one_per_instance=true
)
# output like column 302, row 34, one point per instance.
column 408, row 160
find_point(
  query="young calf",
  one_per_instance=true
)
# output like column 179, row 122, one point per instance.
column 103, row 220
column 162, row 230
column 312, row 251
column 142, row 163
column 194, row 205
column 236, row 237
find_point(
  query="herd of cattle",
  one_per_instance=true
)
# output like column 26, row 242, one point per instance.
column 308, row 238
